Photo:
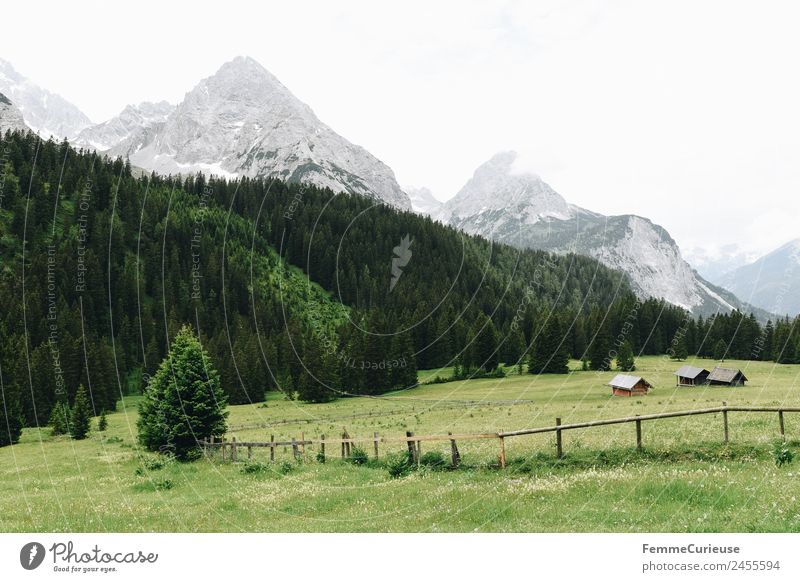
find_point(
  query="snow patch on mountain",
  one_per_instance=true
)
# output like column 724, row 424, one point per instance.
column 44, row 112
column 519, row 208
column 130, row 127
column 10, row 117
column 243, row 122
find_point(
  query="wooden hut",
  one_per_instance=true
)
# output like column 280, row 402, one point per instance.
column 624, row 385
column 726, row 377
column 691, row 376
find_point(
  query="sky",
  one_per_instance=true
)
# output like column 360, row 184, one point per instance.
column 683, row 112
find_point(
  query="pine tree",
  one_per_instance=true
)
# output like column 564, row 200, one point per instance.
column 599, row 351
column 183, row 402
column 720, row 350
column 59, row 419
column 80, row 415
column 486, row 340
column 680, row 352
column 11, row 418
column 625, row 360
column 550, row 354
column 102, row 423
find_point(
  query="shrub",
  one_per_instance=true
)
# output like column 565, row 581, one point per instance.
column 782, row 454
column 434, row 460
column 102, row 423
column 399, row 464
column 320, row 457
column 163, row 484
column 254, row 468
column 358, row 456
column 285, row 468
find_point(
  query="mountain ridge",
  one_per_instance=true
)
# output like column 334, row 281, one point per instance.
column 521, row 209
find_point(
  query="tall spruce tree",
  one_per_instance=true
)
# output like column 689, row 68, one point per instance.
column 600, row 351
column 486, row 356
column 720, row 350
column 80, row 415
column 183, row 403
column 625, row 359
column 550, row 354
column 11, row 417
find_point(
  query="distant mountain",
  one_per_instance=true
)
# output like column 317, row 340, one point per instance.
column 714, row 266
column 10, row 116
column 423, row 202
column 519, row 208
column 242, row 121
column 132, row 127
column 44, row 112
column 772, row 282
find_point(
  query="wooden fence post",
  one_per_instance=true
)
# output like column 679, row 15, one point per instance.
column 303, row 443
column 234, row 451
column 249, row 452
column 322, row 446
column 295, row 450
column 502, row 452
column 412, row 448
column 638, row 434
column 344, row 444
column 211, row 450
column 559, row 444
column 455, row 456
column 272, row 448
column 375, row 442
column 725, row 421
column 780, row 421
column 222, row 448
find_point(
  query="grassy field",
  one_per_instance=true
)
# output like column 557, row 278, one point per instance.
column 685, row 480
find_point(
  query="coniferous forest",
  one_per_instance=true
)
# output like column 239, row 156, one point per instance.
column 291, row 288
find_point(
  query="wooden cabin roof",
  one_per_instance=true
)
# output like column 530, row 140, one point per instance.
column 725, row 374
column 626, row 382
column 690, row 372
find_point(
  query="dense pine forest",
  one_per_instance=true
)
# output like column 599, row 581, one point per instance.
column 291, row 288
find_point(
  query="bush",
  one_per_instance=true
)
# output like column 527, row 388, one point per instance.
column 320, row 457
column 399, row 464
column 358, row 456
column 254, row 468
column 434, row 460
column 285, row 468
column 782, row 454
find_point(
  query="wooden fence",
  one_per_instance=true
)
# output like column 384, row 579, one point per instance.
column 230, row 449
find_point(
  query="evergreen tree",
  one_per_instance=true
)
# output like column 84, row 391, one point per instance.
column 80, row 415
column 679, row 351
column 485, row 345
column 11, row 418
column 625, row 359
column 720, row 350
column 183, row 402
column 102, row 423
column 59, row 419
column 600, row 350
column 550, row 354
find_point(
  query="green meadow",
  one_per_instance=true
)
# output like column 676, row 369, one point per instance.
column 685, row 479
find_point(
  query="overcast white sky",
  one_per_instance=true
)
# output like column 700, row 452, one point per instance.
column 685, row 112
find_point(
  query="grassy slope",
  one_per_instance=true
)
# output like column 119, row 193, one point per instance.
column 686, row 480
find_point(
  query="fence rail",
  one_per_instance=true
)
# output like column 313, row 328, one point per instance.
column 414, row 442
